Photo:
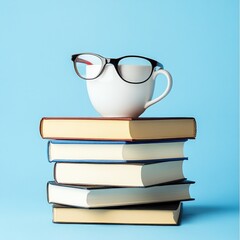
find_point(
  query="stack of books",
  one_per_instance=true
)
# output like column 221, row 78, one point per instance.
column 118, row 170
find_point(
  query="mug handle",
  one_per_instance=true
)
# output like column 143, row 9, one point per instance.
column 167, row 90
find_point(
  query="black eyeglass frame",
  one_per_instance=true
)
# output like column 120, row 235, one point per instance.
column 114, row 62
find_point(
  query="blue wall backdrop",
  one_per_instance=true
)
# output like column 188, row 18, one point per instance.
column 197, row 41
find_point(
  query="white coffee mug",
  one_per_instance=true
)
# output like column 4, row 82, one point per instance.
column 111, row 96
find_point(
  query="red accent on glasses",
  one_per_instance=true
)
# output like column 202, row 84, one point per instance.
column 83, row 61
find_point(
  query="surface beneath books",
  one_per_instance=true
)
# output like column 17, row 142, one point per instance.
column 199, row 221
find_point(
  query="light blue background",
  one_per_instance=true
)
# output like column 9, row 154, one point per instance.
column 197, row 41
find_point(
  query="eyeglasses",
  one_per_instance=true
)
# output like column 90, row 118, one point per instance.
column 85, row 61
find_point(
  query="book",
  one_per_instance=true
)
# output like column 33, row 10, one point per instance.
column 131, row 175
column 114, row 151
column 117, row 128
column 102, row 196
column 149, row 214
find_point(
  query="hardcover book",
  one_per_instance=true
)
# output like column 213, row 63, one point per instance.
column 117, row 128
column 151, row 214
column 102, row 196
column 114, row 151
column 131, row 175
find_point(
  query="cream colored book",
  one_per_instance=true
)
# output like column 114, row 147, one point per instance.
column 119, row 174
column 114, row 151
column 102, row 196
column 117, row 128
column 149, row 214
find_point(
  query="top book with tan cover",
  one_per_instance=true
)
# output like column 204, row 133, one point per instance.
column 127, row 129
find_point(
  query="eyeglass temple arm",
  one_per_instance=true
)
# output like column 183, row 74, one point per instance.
column 160, row 65
column 83, row 61
column 75, row 58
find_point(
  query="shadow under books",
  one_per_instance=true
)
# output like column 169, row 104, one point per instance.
column 195, row 212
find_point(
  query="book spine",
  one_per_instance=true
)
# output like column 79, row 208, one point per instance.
column 48, row 152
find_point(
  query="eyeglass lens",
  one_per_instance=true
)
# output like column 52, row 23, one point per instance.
column 90, row 66
column 127, row 68
column 84, row 62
